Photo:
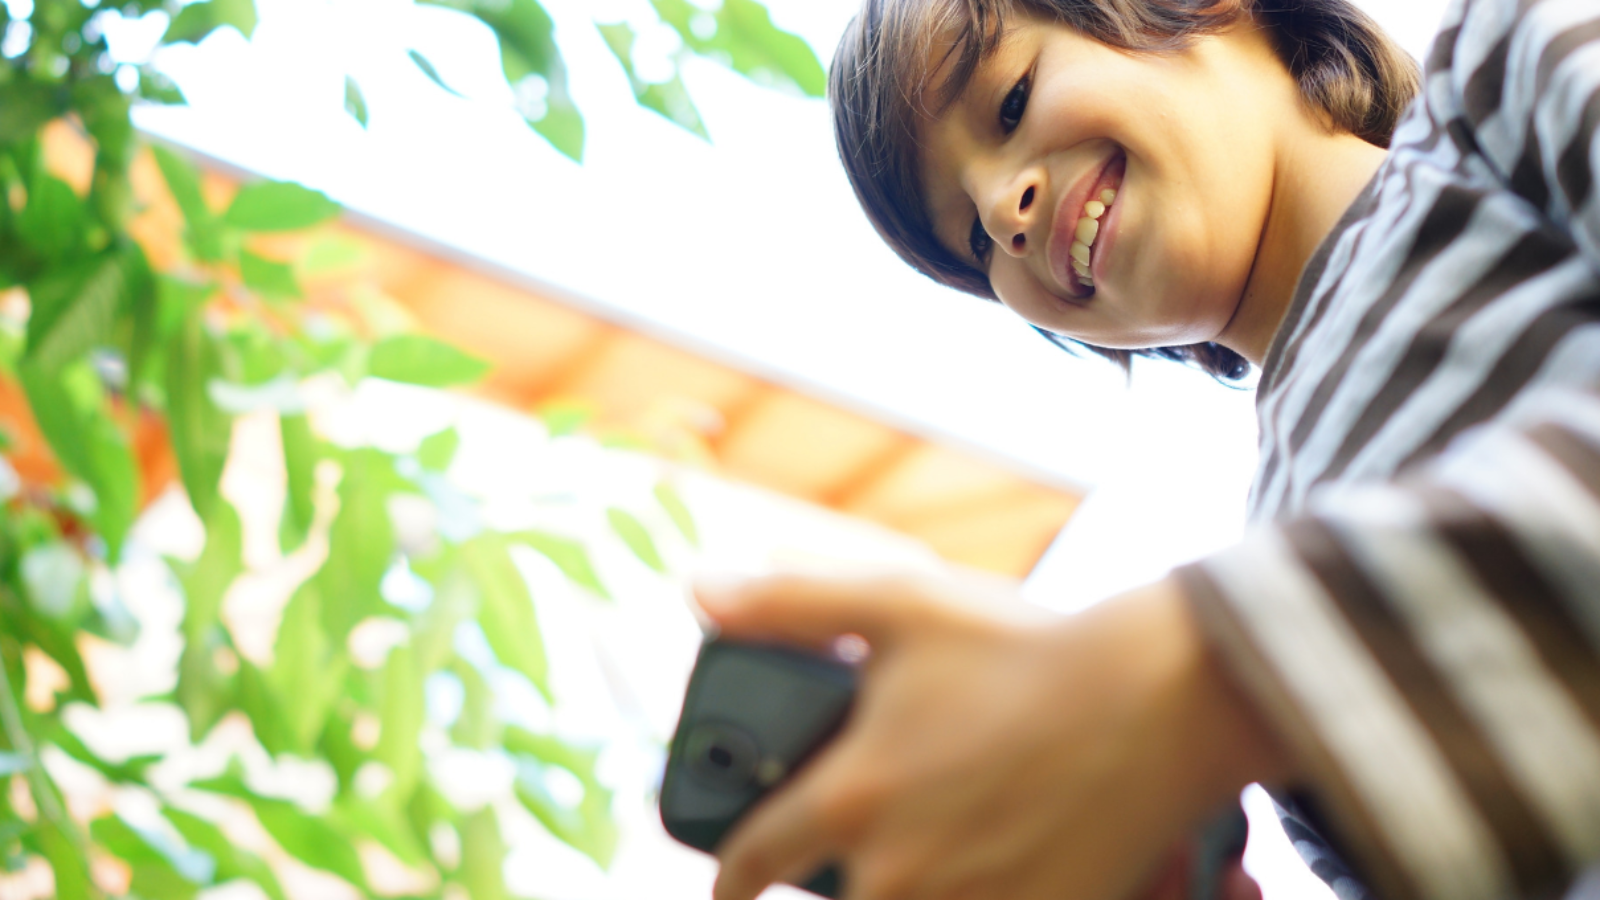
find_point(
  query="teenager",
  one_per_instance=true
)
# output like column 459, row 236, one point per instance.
column 1409, row 637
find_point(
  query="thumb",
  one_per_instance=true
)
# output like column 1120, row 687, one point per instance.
column 805, row 609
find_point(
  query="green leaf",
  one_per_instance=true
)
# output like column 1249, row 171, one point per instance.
column 437, row 450
column 278, row 206
column 71, row 411
column 26, row 105
column 336, row 745
column 403, row 711
column 204, row 232
column 354, row 103
column 477, row 726
column 58, row 838
column 507, row 614
column 69, row 329
column 360, row 543
column 143, row 300
column 671, row 501
column 156, row 87
column 562, row 126
column 207, row 581
column 429, row 70
column 311, row 839
column 105, row 111
column 564, row 418
column 570, row 556
column 269, row 278
column 58, row 640
column 483, row 856
column 176, row 299
column 200, row 431
column 53, row 221
column 455, row 600
column 425, row 809
column 154, row 874
column 62, row 847
column 382, row 820
column 330, row 253
column 60, row 416
column 416, row 359
column 527, row 47
column 746, row 41
column 259, row 699
column 587, row 827
column 232, row 862
column 308, row 671
column 254, row 356
column 300, row 461
column 197, row 20
column 203, row 692
column 669, row 98
column 633, row 534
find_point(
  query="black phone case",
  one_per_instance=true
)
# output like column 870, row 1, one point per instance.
column 753, row 714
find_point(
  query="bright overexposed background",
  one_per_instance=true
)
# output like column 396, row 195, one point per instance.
column 748, row 248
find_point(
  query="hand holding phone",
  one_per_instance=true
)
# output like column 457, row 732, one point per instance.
column 753, row 714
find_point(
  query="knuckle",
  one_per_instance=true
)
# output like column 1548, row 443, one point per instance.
column 847, row 810
column 781, row 586
column 883, row 879
column 753, row 865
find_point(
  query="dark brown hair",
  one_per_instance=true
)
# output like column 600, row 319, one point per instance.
column 1356, row 76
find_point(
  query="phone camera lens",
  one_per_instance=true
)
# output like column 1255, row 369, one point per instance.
column 723, row 756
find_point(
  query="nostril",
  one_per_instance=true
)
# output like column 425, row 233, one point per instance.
column 1027, row 199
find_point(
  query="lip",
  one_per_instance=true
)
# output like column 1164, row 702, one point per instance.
column 1064, row 226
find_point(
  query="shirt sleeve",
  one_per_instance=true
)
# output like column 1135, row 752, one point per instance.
column 1430, row 645
column 1524, row 78
column 1431, row 648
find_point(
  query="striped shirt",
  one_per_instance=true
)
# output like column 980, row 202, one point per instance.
column 1418, row 604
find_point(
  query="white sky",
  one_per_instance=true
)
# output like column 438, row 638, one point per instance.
column 749, row 248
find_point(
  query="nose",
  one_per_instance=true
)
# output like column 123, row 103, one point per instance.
column 1012, row 213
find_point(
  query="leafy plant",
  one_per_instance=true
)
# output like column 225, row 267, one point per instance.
column 131, row 373
column 219, row 340
column 57, row 61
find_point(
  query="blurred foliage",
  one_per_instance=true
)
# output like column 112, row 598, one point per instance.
column 133, row 376
column 111, row 349
column 56, row 60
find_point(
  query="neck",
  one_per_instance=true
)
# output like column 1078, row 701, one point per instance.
column 1316, row 178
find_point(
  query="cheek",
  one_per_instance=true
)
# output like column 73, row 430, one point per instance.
column 1020, row 292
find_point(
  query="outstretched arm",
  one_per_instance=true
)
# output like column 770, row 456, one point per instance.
column 994, row 752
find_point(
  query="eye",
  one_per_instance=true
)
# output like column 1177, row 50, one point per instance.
column 979, row 242
column 1014, row 104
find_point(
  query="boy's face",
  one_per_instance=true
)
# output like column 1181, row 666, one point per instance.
column 1052, row 120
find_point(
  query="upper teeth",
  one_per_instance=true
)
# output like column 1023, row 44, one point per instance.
column 1088, row 230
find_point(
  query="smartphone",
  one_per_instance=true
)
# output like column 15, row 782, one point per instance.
column 753, row 715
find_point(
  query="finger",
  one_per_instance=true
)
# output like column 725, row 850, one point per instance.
column 785, row 838
column 803, row 609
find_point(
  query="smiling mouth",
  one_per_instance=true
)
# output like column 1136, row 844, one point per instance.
column 1074, row 245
